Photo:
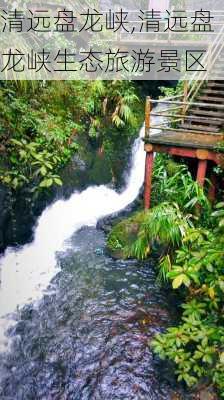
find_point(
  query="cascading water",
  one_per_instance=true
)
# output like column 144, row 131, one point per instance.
column 87, row 336
column 26, row 272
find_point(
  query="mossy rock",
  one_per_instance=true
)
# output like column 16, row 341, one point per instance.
column 124, row 234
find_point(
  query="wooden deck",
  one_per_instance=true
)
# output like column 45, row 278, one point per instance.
column 195, row 130
column 184, row 139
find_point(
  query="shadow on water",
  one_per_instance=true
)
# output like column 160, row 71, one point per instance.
column 88, row 336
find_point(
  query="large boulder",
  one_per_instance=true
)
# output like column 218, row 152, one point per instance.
column 124, row 234
column 4, row 214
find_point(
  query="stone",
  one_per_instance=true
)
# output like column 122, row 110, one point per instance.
column 123, row 235
column 207, row 394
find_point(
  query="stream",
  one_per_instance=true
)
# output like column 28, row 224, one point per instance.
column 74, row 323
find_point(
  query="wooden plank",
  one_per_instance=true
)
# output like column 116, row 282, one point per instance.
column 215, row 121
column 170, row 109
column 216, row 84
column 198, row 141
column 189, row 153
column 211, row 99
column 148, row 179
column 210, row 114
column 211, row 91
column 179, row 130
column 203, row 128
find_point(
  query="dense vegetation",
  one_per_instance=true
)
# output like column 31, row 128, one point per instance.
column 41, row 124
column 190, row 236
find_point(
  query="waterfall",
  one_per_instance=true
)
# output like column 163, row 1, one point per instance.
column 26, row 272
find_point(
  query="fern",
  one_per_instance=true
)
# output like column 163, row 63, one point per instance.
column 164, row 224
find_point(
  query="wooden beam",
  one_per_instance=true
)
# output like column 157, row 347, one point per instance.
column 148, row 179
column 201, row 173
column 188, row 117
column 169, row 109
column 184, row 131
column 147, row 116
column 186, row 152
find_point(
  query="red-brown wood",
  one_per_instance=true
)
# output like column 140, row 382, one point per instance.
column 212, row 189
column 148, row 179
column 201, row 174
column 185, row 152
column 202, row 155
column 178, row 151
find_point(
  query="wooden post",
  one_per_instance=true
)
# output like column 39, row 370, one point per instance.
column 212, row 188
column 148, row 179
column 185, row 98
column 201, row 174
column 147, row 116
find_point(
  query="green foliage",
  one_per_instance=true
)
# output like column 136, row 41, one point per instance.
column 191, row 239
column 196, row 349
column 220, row 147
column 168, row 223
column 164, row 224
column 196, row 346
column 172, row 91
column 219, row 214
column 40, row 125
column 173, row 182
column 30, row 162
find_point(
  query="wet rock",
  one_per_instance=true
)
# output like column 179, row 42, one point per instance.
column 207, row 394
column 4, row 215
column 176, row 396
column 123, row 235
column 28, row 312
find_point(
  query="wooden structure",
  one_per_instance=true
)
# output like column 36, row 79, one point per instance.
column 191, row 129
column 153, row 32
column 192, row 124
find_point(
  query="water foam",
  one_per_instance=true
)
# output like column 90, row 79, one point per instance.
column 27, row 272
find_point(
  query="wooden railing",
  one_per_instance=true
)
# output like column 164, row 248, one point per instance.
column 177, row 107
column 171, row 35
column 211, row 57
column 173, row 111
column 214, row 40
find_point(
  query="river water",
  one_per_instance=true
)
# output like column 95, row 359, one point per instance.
column 74, row 323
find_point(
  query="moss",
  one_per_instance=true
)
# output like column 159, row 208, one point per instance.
column 124, row 234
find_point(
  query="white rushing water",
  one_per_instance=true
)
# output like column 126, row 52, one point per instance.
column 27, row 272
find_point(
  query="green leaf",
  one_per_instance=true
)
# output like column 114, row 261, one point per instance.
column 186, row 281
column 178, row 281
column 43, row 171
column 46, row 183
column 211, row 293
column 17, row 142
column 221, row 357
column 58, row 181
column 220, row 205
